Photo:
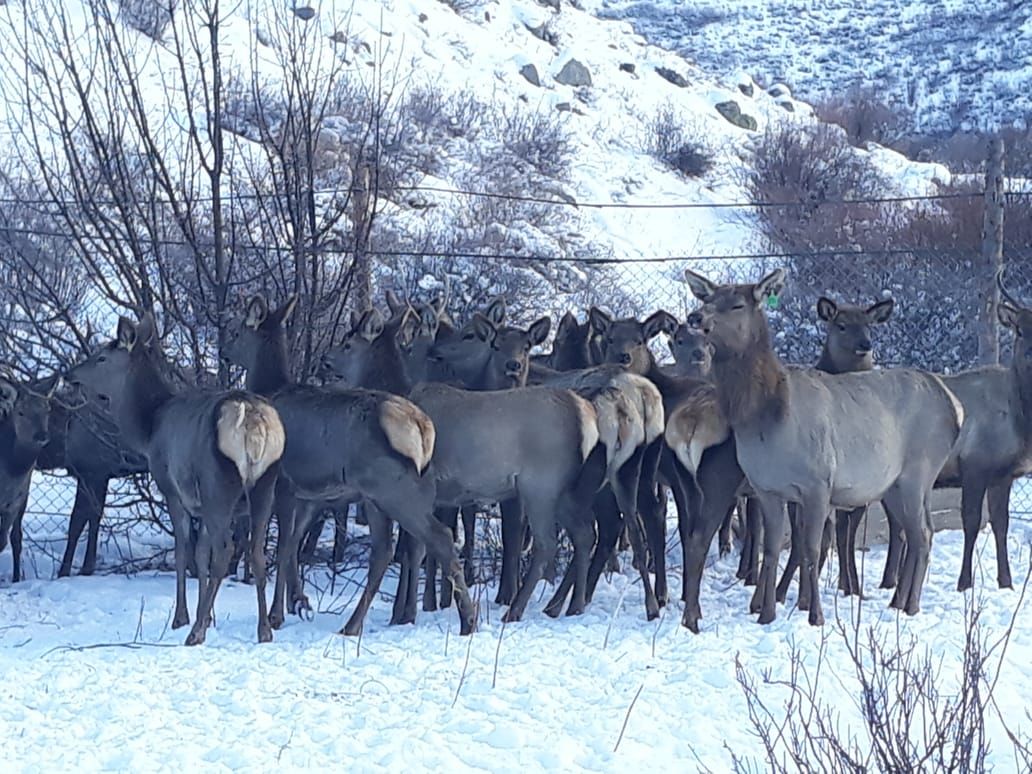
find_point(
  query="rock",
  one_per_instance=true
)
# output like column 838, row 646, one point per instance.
column 627, row 67
column 674, row 77
column 422, row 18
column 734, row 115
column 574, row 74
column 563, row 107
column 746, row 89
column 788, row 105
column 530, row 72
column 779, row 90
column 304, row 12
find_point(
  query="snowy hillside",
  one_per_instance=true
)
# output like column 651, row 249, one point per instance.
column 517, row 57
column 957, row 65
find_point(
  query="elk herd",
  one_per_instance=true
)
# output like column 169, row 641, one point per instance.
column 426, row 422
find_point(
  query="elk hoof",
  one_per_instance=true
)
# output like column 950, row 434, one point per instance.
column 181, row 619
column 690, row 622
column 276, row 620
column 303, row 609
column 402, row 619
column 816, row 618
column 430, row 603
column 196, row 637
column 575, row 608
column 964, row 584
column 265, row 633
column 554, row 609
column 511, row 616
column 504, row 597
column 351, row 629
column 767, row 616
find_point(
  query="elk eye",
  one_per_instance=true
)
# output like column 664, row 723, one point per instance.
column 347, row 346
column 842, row 327
column 102, row 359
column 738, row 307
column 468, row 337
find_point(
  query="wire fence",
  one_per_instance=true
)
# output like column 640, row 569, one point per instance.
column 933, row 327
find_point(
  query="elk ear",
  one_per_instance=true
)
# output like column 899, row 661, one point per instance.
column 371, row 325
column 539, row 331
column 282, row 315
column 145, row 329
column 125, row 336
column 657, row 323
column 429, row 321
column 394, row 303
column 483, row 328
column 257, row 311
column 495, row 311
column 566, row 325
column 408, row 330
column 701, row 287
column 769, row 286
column 1008, row 315
column 355, row 318
column 8, row 397
column 881, row 311
column 600, row 321
column 827, row 309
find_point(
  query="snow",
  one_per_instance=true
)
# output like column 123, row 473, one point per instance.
column 95, row 679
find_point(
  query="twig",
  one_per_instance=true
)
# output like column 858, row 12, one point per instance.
column 498, row 649
column 627, row 716
column 462, row 677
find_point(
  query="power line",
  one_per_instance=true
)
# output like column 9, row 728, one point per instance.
column 336, row 250
column 527, row 198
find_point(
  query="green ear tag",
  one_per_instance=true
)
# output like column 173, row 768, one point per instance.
column 772, row 301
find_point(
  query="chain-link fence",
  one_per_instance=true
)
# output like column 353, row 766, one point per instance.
column 933, row 326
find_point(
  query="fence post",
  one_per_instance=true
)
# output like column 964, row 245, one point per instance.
column 992, row 255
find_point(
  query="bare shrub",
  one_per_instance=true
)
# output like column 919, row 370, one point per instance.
column 865, row 116
column 539, row 139
column 675, row 144
column 151, row 17
column 463, row 7
column 912, row 715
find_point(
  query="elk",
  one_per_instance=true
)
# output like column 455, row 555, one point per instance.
column 824, row 441
column 487, row 450
column 211, row 454
column 24, row 430
column 995, row 445
column 693, row 354
column 346, row 444
column 847, row 348
column 630, row 416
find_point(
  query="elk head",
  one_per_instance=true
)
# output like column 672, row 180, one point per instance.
column 732, row 316
column 1018, row 318
column 692, row 351
column 487, row 356
column 256, row 332
column 625, row 342
column 847, row 343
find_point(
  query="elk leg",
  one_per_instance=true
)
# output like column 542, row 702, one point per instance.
column 202, row 559
column 16, row 541
column 971, row 497
column 610, row 524
column 764, row 598
column 261, row 499
column 999, row 518
column 582, row 535
column 792, row 564
column 97, row 492
column 181, row 527
column 894, row 556
column 444, row 515
column 285, row 508
column 304, row 514
column 512, row 540
column 340, row 533
column 379, row 559
column 914, row 508
column 811, row 523
column 89, row 498
column 846, row 525
column 404, row 611
column 541, row 516
column 725, row 533
column 748, row 565
column 447, row 590
column 469, row 533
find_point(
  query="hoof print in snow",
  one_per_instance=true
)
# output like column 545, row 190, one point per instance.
column 672, row 76
column 574, row 74
column 734, row 115
column 530, row 72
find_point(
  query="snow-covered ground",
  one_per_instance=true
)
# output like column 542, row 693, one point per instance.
column 94, row 679
column 956, row 65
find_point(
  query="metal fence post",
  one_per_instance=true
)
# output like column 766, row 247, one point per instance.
column 992, row 256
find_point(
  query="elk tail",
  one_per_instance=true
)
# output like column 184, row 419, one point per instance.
column 409, row 431
column 250, row 434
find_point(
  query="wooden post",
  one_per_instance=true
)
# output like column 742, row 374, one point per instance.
column 992, row 256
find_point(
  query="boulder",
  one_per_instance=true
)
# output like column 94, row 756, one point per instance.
column 733, row 113
column 674, row 77
column 530, row 72
column 574, row 74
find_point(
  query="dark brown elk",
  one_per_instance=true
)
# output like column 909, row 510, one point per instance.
column 487, row 451
column 995, row 445
column 847, row 348
column 24, row 423
column 824, row 441
column 347, row 445
column 212, row 454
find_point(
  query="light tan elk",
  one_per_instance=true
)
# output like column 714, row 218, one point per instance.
column 995, row 445
column 824, row 441
column 847, row 348
column 348, row 445
column 211, row 454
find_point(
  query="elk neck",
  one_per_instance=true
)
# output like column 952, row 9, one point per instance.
column 837, row 364
column 385, row 367
column 270, row 372
column 752, row 384
column 146, row 391
column 16, row 456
